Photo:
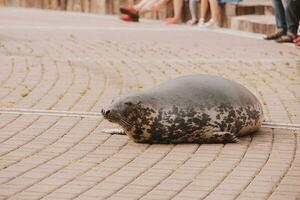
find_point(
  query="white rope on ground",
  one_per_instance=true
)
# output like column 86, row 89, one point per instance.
column 61, row 113
column 269, row 124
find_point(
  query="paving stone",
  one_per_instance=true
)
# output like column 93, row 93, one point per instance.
column 79, row 62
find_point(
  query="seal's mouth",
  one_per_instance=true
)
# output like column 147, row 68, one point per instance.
column 105, row 113
column 115, row 117
column 109, row 115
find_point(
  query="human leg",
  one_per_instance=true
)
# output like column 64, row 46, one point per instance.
column 178, row 9
column 291, row 25
column 280, row 16
column 158, row 5
column 135, row 11
column 151, row 2
column 194, row 11
column 280, row 21
column 215, row 11
column 177, row 6
column 294, row 7
column 291, row 21
column 215, row 15
column 141, row 4
column 147, row 7
column 131, row 10
column 203, row 11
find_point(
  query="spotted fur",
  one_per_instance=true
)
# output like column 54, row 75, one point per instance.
column 147, row 120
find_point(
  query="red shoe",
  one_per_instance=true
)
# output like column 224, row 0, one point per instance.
column 127, row 18
column 297, row 41
column 172, row 21
column 130, row 10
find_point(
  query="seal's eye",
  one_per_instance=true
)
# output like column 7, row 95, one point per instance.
column 128, row 103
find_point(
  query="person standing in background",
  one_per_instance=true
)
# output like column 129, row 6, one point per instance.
column 286, row 25
column 294, row 8
column 193, row 6
column 215, row 21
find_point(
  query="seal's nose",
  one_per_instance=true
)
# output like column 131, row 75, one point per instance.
column 105, row 112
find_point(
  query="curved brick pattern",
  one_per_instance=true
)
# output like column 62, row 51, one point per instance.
column 79, row 62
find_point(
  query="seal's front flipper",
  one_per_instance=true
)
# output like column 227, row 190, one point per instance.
column 223, row 137
column 114, row 131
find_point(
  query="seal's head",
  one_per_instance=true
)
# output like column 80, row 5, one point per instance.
column 122, row 111
column 134, row 113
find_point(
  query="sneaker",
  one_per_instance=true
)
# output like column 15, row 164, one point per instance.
column 128, row 18
column 130, row 10
column 289, row 37
column 201, row 22
column 172, row 21
column 201, row 25
column 192, row 22
column 274, row 36
column 297, row 41
column 211, row 24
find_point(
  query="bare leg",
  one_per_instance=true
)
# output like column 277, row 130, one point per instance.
column 159, row 4
column 150, row 2
column 215, row 11
column 203, row 9
column 178, row 10
column 162, row 3
column 146, row 7
column 141, row 4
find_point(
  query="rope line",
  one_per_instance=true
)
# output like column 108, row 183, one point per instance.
column 61, row 113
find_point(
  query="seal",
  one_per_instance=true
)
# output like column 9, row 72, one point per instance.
column 188, row 109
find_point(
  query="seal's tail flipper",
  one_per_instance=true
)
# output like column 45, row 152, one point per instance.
column 223, row 137
column 114, row 131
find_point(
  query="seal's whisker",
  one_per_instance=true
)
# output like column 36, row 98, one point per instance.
column 125, row 123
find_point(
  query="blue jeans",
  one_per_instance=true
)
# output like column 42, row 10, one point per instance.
column 284, row 19
column 294, row 7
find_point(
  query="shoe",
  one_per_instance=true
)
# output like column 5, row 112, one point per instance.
column 274, row 36
column 297, row 41
column 201, row 21
column 192, row 22
column 130, row 10
column 172, row 21
column 210, row 24
column 289, row 37
column 127, row 18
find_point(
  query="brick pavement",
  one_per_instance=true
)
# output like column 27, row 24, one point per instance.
column 76, row 62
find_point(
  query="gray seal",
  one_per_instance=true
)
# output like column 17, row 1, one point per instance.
column 188, row 109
